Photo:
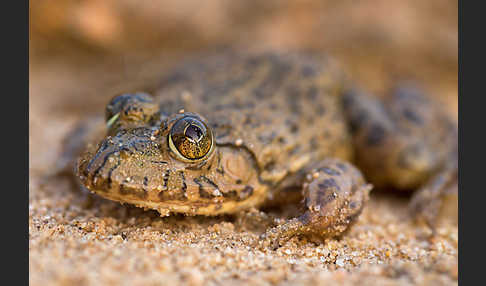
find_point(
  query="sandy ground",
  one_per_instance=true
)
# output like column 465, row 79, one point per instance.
column 77, row 238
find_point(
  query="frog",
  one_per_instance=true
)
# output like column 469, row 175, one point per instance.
column 231, row 132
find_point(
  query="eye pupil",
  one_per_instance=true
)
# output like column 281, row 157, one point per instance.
column 194, row 133
column 190, row 138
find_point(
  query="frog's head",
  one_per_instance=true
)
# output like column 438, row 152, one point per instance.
column 169, row 163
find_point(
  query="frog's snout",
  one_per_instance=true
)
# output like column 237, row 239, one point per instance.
column 118, row 157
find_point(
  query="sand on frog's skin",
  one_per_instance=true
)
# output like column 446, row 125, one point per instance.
column 77, row 238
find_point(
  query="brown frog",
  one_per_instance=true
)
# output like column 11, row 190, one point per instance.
column 235, row 131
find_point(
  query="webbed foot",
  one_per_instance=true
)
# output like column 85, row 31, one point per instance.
column 334, row 195
column 435, row 199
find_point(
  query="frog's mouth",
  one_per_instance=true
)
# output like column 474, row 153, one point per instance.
column 135, row 166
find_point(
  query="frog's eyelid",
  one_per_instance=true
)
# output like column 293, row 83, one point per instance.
column 112, row 120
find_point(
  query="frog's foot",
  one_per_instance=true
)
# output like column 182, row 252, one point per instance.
column 403, row 142
column 438, row 196
column 334, row 195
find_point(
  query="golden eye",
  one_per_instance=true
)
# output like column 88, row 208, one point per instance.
column 191, row 139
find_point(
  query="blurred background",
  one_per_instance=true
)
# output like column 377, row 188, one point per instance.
column 377, row 41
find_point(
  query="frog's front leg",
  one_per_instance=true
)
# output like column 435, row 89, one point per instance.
column 334, row 194
column 406, row 142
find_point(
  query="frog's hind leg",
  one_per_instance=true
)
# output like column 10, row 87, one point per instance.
column 405, row 142
column 334, row 194
column 438, row 194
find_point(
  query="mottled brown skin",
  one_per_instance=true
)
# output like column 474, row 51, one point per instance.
column 284, row 127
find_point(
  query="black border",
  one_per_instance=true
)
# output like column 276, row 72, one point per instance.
column 471, row 124
column 15, row 141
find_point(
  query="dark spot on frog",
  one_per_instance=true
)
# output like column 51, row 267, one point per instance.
column 327, row 134
column 324, row 197
column 145, row 184
column 293, row 93
column 223, row 134
column 246, row 192
column 293, row 126
column 252, row 63
column 352, row 217
column 342, row 167
column 110, row 174
column 273, row 80
column 375, row 135
column 294, row 150
column 209, row 181
column 412, row 116
column 313, row 143
column 329, row 183
column 329, row 171
column 320, row 109
column 145, row 181
column 269, row 165
column 267, row 138
column 166, row 178
column 247, row 120
column 273, row 106
column 231, row 195
column 220, row 170
column 305, row 218
column 202, row 193
column 308, row 71
column 125, row 190
column 312, row 93
column 184, row 185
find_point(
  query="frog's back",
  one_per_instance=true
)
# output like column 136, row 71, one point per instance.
column 284, row 108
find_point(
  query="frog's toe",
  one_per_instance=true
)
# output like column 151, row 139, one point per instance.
column 436, row 199
column 334, row 196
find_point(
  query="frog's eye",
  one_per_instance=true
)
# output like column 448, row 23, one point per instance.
column 191, row 139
